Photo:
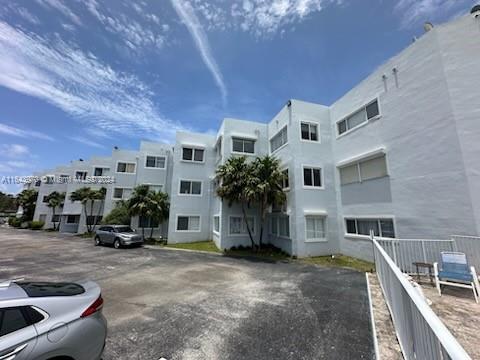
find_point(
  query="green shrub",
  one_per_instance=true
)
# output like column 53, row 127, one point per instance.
column 14, row 221
column 36, row 225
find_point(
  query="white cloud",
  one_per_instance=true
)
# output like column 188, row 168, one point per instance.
column 61, row 7
column 80, row 84
column 187, row 14
column 415, row 11
column 13, row 131
column 86, row 141
column 27, row 15
column 14, row 150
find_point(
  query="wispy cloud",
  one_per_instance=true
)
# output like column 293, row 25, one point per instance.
column 80, row 84
column 187, row 14
column 62, row 8
column 27, row 15
column 86, row 141
column 14, row 131
column 414, row 11
column 14, row 150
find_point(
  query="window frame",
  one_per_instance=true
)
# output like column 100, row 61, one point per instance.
column 191, row 187
column 325, row 229
column 310, row 123
column 83, row 178
column 243, row 224
column 217, row 216
column 123, row 188
column 362, row 124
column 125, row 172
column 189, row 216
column 274, row 136
column 194, row 149
column 243, row 146
column 358, row 163
column 156, row 158
column 67, row 222
column 377, row 218
column 287, row 188
column 322, row 180
column 277, row 233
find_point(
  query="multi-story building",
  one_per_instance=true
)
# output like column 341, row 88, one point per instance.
column 399, row 154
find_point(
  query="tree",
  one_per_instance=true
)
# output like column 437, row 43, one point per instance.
column 138, row 204
column 8, row 202
column 234, row 177
column 87, row 196
column 264, row 186
column 158, row 207
column 119, row 215
column 99, row 196
column 55, row 200
column 27, row 199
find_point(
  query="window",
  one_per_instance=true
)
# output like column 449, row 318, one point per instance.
column 309, row 131
column 124, row 167
column 280, row 226
column 243, row 146
column 237, row 225
column 38, row 183
column 12, row 319
column 280, row 139
column 94, row 220
column 216, row 223
column 45, row 199
column 121, row 193
column 188, row 223
column 364, row 170
column 98, row 171
column 285, row 181
column 73, row 219
column 315, row 227
column 381, row 227
column 277, row 208
column 147, row 222
column 155, row 188
column 312, row 177
column 190, row 187
column 56, row 218
column 155, row 162
column 192, row 154
column 64, row 179
column 80, row 175
column 49, row 180
column 361, row 116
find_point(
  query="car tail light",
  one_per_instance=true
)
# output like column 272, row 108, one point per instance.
column 92, row 309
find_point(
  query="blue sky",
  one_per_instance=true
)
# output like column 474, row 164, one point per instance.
column 78, row 77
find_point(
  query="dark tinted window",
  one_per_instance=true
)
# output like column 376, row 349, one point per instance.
column 32, row 315
column 182, row 223
column 124, row 229
column 187, row 154
column 351, row 226
column 342, row 127
column 198, row 155
column 307, row 177
column 372, row 110
column 11, row 319
column 305, row 131
column 387, row 228
column 150, row 161
column 317, row 178
column 39, row 289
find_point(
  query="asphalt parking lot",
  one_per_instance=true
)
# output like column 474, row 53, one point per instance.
column 185, row 305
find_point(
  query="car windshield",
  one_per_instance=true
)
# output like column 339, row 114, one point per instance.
column 124, row 229
column 39, row 289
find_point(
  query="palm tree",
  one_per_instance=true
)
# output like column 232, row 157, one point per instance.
column 158, row 207
column 100, row 196
column 138, row 204
column 233, row 177
column 54, row 200
column 265, row 186
column 27, row 199
column 85, row 195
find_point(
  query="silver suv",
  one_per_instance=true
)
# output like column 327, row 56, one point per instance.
column 50, row 321
column 117, row 235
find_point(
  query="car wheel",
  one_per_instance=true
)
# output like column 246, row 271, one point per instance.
column 98, row 242
column 117, row 244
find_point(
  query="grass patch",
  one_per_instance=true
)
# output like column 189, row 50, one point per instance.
column 268, row 252
column 85, row 235
column 199, row 246
column 340, row 261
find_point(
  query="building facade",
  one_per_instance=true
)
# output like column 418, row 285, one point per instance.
column 399, row 154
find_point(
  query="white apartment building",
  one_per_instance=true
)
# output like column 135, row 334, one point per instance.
column 398, row 154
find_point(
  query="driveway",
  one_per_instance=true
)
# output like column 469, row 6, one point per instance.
column 185, row 305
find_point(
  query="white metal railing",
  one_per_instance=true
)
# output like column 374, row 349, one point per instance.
column 421, row 334
column 470, row 245
column 405, row 252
